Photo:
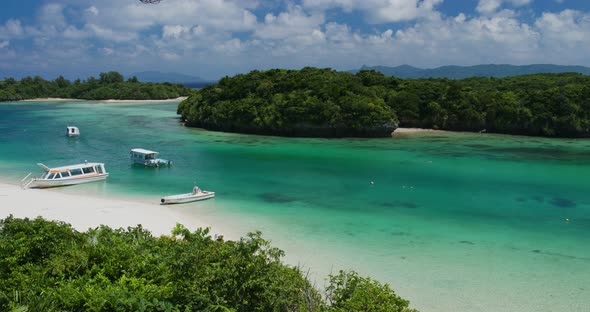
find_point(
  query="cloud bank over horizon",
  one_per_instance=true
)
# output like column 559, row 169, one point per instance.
column 213, row 38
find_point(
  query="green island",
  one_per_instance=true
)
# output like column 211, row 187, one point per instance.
column 109, row 85
column 326, row 103
column 49, row 266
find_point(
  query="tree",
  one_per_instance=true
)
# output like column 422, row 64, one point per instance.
column 111, row 77
column 347, row 291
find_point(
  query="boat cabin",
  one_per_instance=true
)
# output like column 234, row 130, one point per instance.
column 67, row 175
column 72, row 131
column 147, row 158
column 73, row 171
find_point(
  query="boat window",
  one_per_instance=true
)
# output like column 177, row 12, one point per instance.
column 57, row 176
column 65, row 174
column 51, row 175
column 149, row 156
column 75, row 172
column 98, row 169
column 88, row 170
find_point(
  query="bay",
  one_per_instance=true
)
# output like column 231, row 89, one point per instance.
column 453, row 221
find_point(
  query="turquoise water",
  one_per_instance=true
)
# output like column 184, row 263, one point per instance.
column 454, row 222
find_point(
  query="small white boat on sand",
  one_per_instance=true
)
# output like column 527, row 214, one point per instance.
column 67, row 175
column 197, row 194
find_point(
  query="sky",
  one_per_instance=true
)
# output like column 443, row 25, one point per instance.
column 215, row 38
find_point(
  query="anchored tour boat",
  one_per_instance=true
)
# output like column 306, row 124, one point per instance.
column 148, row 158
column 72, row 131
column 66, row 175
column 197, row 194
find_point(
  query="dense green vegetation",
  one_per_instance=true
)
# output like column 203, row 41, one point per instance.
column 48, row 266
column 307, row 102
column 109, row 85
column 301, row 102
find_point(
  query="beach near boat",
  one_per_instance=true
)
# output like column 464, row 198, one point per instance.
column 86, row 211
column 450, row 217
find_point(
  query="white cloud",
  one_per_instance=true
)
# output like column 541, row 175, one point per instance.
column 220, row 37
column 380, row 11
column 290, row 24
column 227, row 15
column 4, row 44
column 107, row 51
column 92, row 10
column 568, row 29
column 51, row 18
column 11, row 29
column 491, row 6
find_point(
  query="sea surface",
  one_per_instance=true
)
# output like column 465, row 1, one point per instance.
column 452, row 221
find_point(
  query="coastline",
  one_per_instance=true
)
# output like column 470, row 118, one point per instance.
column 103, row 101
column 401, row 132
column 86, row 211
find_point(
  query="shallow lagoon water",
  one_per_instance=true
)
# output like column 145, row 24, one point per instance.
column 453, row 221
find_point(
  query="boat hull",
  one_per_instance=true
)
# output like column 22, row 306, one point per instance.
column 43, row 183
column 186, row 198
column 154, row 163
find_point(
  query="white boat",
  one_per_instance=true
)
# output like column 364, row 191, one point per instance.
column 72, row 131
column 67, row 175
column 195, row 195
column 148, row 158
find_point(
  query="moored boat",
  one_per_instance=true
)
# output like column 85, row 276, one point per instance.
column 67, row 175
column 196, row 195
column 148, row 158
column 72, row 131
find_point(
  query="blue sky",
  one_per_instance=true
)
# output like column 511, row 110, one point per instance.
column 213, row 38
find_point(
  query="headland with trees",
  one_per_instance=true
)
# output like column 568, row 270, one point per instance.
column 326, row 103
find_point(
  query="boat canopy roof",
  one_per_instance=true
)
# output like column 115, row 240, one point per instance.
column 143, row 151
column 70, row 167
column 71, row 127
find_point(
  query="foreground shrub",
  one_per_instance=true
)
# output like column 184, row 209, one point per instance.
column 49, row 266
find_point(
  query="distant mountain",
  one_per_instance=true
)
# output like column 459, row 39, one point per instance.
column 490, row 70
column 155, row 76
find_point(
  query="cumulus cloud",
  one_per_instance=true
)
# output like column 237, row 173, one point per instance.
column 226, row 36
column 11, row 29
column 380, row 11
column 491, row 6
column 288, row 25
column 92, row 10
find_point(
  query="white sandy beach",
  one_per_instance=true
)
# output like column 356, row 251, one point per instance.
column 104, row 101
column 405, row 132
column 85, row 211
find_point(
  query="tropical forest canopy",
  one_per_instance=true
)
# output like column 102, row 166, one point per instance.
column 285, row 102
column 307, row 102
column 48, row 266
column 110, row 85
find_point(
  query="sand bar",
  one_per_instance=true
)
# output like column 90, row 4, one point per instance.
column 86, row 211
column 416, row 130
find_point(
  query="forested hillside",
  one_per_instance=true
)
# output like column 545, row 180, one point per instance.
column 307, row 102
column 109, row 85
